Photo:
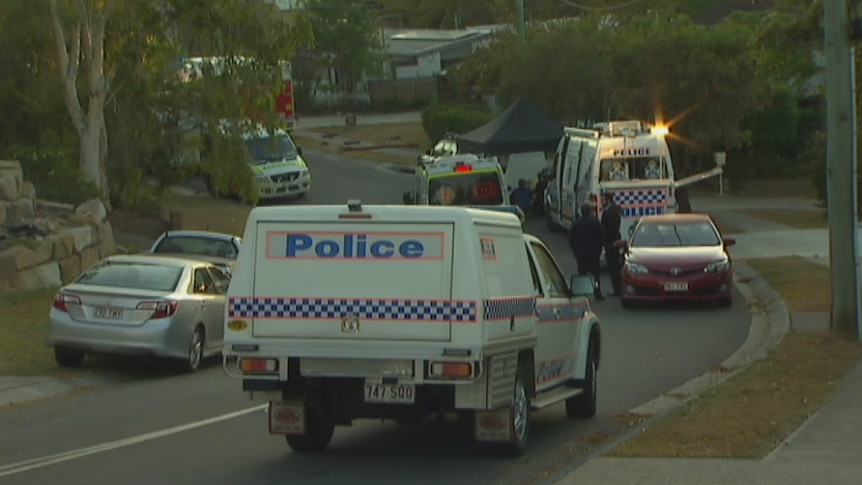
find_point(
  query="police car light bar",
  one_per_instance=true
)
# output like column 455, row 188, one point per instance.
column 463, row 168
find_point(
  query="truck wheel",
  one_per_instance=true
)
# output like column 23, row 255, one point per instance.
column 318, row 434
column 584, row 404
column 520, row 421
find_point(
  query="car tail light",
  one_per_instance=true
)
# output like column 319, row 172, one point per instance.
column 63, row 300
column 160, row 309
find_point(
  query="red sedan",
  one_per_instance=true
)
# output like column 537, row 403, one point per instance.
column 677, row 257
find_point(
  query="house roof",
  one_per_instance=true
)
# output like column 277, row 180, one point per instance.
column 408, row 43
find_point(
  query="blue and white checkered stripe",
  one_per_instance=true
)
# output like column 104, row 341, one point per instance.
column 565, row 312
column 369, row 309
column 640, row 197
column 503, row 309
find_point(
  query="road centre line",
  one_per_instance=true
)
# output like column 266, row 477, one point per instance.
column 34, row 463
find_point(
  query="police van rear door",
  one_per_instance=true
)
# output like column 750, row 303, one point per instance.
column 355, row 280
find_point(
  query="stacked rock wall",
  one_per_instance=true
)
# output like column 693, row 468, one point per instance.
column 45, row 244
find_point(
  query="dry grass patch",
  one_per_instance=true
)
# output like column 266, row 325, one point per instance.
column 24, row 327
column 376, row 156
column 813, row 293
column 411, row 135
column 209, row 213
column 795, row 219
column 752, row 412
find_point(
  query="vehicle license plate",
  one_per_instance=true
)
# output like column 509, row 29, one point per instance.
column 676, row 287
column 108, row 313
column 390, row 393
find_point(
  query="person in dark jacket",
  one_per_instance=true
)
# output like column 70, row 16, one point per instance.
column 611, row 216
column 587, row 240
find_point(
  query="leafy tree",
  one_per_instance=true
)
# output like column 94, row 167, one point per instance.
column 79, row 30
column 345, row 37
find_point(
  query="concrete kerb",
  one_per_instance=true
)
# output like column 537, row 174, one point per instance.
column 770, row 322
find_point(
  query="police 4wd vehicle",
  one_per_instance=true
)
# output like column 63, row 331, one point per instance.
column 276, row 163
column 405, row 312
column 461, row 180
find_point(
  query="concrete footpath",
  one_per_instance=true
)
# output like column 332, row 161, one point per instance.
column 826, row 449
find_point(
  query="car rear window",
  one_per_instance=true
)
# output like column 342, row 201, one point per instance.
column 202, row 246
column 680, row 234
column 142, row 276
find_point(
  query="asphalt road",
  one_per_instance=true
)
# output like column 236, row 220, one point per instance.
column 158, row 427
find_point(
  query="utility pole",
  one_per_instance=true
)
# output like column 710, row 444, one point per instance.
column 841, row 169
column 522, row 20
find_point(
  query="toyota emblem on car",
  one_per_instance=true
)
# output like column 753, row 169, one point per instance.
column 675, row 271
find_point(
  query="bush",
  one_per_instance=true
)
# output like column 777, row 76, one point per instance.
column 55, row 174
column 440, row 119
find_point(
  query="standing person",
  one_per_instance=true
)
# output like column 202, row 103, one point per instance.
column 587, row 239
column 611, row 224
column 523, row 196
column 539, row 194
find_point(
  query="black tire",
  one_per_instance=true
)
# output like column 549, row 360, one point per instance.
column 318, row 434
column 195, row 354
column 583, row 406
column 66, row 357
column 626, row 302
column 521, row 420
column 726, row 302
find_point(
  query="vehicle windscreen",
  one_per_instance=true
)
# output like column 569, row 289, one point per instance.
column 141, row 276
column 680, row 234
column 639, row 168
column 203, row 246
column 465, row 188
column 274, row 149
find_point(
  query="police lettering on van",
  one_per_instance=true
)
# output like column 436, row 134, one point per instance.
column 368, row 245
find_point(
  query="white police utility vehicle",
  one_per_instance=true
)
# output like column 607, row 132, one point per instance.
column 461, row 180
column 339, row 313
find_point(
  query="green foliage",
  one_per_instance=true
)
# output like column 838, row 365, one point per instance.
column 345, row 37
column 55, row 174
column 440, row 119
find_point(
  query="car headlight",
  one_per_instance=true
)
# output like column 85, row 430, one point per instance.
column 636, row 268
column 717, row 267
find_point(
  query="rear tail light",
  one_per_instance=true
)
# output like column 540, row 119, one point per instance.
column 451, row 370
column 160, row 309
column 258, row 366
column 63, row 300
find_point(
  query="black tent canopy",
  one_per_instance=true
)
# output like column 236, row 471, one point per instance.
column 522, row 128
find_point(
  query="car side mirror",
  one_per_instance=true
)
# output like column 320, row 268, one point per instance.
column 299, row 151
column 407, row 198
column 583, row 285
column 729, row 241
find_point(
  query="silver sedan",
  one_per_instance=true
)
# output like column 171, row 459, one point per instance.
column 141, row 305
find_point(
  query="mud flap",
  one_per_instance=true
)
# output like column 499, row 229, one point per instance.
column 287, row 417
column 494, row 425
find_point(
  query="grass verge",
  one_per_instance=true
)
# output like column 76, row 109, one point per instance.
column 751, row 413
column 411, row 135
column 795, row 219
column 209, row 213
column 24, row 327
